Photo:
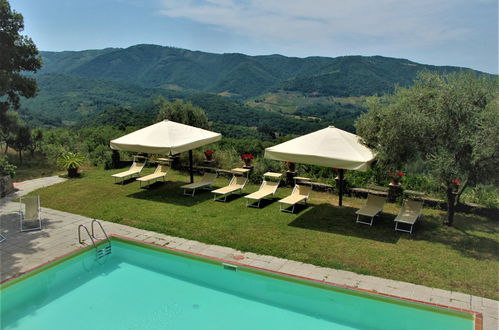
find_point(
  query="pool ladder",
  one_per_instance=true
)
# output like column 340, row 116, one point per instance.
column 100, row 252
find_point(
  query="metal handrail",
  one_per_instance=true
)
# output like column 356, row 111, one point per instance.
column 88, row 232
column 102, row 228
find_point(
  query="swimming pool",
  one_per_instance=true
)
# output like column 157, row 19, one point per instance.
column 139, row 286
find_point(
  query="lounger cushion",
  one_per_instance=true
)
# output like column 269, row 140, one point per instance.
column 126, row 173
column 151, row 177
column 410, row 212
column 293, row 199
column 228, row 189
column 268, row 188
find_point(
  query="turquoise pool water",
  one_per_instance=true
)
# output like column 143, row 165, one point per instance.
column 144, row 288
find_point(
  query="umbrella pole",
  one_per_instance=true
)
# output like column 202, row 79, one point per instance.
column 340, row 200
column 190, row 166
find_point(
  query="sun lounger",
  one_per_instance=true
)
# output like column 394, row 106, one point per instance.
column 374, row 206
column 235, row 184
column 30, row 213
column 300, row 194
column 159, row 173
column 135, row 169
column 408, row 215
column 266, row 188
column 206, row 181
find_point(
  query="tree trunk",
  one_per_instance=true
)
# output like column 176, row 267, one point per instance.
column 451, row 206
column 20, row 157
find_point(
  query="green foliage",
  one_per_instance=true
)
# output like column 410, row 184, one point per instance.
column 70, row 160
column 338, row 114
column 450, row 122
column 487, row 195
column 6, row 168
column 181, row 112
column 76, row 98
column 223, row 110
column 118, row 117
column 155, row 66
column 18, row 54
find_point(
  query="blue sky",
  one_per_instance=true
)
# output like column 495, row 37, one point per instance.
column 439, row 32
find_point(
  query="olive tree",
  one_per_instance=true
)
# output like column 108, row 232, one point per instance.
column 450, row 122
column 181, row 112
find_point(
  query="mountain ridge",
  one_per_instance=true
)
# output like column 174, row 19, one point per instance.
column 244, row 75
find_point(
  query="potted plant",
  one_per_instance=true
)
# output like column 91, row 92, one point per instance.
column 71, row 161
column 395, row 177
column 247, row 159
column 209, row 154
column 291, row 166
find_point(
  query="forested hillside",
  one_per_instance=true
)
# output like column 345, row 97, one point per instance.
column 77, row 85
column 160, row 67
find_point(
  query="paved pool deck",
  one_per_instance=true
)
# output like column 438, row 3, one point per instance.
column 21, row 252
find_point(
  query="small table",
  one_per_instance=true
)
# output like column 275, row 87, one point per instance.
column 240, row 170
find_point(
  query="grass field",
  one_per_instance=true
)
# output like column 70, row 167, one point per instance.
column 463, row 258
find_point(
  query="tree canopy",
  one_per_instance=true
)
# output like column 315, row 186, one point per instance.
column 18, row 54
column 181, row 112
column 451, row 122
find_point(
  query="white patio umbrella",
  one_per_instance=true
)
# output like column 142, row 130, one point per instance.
column 329, row 147
column 166, row 137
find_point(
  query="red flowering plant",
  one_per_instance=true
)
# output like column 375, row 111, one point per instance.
column 209, row 153
column 395, row 176
column 456, row 181
column 247, row 157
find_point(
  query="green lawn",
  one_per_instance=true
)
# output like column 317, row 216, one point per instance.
column 463, row 258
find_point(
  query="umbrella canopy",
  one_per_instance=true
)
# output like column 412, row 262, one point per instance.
column 166, row 137
column 329, row 147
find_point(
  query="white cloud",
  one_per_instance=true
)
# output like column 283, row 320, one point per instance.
column 312, row 22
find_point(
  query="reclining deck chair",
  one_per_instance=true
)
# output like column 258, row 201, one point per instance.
column 30, row 217
column 206, row 181
column 300, row 193
column 159, row 173
column 374, row 206
column 235, row 184
column 266, row 188
column 135, row 169
column 408, row 215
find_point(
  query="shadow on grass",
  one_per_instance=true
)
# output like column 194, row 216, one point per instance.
column 341, row 221
column 171, row 193
column 471, row 235
column 263, row 203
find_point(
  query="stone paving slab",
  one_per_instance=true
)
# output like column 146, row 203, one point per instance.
column 21, row 252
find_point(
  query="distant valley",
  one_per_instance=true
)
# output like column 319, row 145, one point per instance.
column 313, row 91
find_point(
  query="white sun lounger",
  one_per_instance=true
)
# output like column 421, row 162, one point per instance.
column 159, row 173
column 206, row 181
column 408, row 215
column 30, row 213
column 374, row 206
column 300, row 194
column 235, row 184
column 135, row 169
column 267, row 188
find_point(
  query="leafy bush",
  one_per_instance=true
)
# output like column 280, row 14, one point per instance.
column 6, row 168
column 101, row 156
column 487, row 195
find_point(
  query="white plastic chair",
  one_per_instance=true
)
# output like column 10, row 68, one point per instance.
column 30, row 213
